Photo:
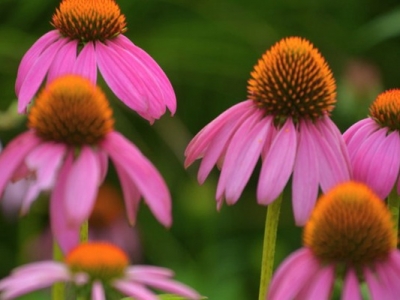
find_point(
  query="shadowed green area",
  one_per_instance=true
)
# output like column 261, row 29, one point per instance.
column 207, row 49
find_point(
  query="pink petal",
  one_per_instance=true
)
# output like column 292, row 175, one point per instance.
column 32, row 55
column 278, row 164
column 34, row 77
column 64, row 61
column 377, row 162
column 305, row 176
column 351, row 290
column 82, row 186
column 132, row 289
column 352, row 130
column 14, row 154
column 145, row 176
column 98, row 291
column 103, row 163
column 320, row 286
column 152, row 66
column 389, row 277
column 66, row 235
column 241, row 157
column 144, row 270
column 377, row 290
column 227, row 122
column 292, row 275
column 85, row 64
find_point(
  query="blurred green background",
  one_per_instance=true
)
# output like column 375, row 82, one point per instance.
column 208, row 48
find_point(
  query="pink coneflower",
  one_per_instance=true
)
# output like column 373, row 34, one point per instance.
column 96, row 271
column 89, row 34
column 66, row 149
column 374, row 145
column 350, row 237
column 286, row 122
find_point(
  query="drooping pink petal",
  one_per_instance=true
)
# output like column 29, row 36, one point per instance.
column 98, row 291
column 36, row 74
column 146, row 177
column 14, row 154
column 131, row 194
column 389, row 277
column 292, row 275
column 144, row 270
column 103, row 163
column 278, row 164
column 355, row 140
column 82, row 186
column 231, row 118
column 305, row 176
column 32, row 54
column 351, row 290
column 352, row 130
column 45, row 160
column 123, row 81
column 135, row 290
column 152, row 65
column 169, row 286
column 242, row 156
column 85, row 64
column 67, row 236
column 377, row 162
column 320, row 286
column 376, row 288
column 64, row 61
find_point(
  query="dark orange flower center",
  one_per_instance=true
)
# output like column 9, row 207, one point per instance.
column 99, row 260
column 293, row 80
column 386, row 109
column 71, row 110
column 89, row 20
column 350, row 225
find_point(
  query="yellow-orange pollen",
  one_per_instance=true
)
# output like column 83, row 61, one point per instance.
column 293, row 80
column 350, row 225
column 89, row 20
column 100, row 260
column 386, row 109
column 71, row 110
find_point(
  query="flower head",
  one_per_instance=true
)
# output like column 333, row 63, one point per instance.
column 286, row 122
column 374, row 144
column 95, row 270
column 87, row 35
column 350, row 235
column 66, row 150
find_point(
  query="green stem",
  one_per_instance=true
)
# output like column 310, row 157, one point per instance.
column 393, row 205
column 84, row 232
column 267, row 264
column 58, row 289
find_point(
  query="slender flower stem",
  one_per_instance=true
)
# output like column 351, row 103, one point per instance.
column 393, row 205
column 84, row 232
column 267, row 263
column 58, row 289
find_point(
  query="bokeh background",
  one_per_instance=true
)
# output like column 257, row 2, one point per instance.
column 207, row 48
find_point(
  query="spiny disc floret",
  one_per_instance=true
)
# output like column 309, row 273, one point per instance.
column 386, row 110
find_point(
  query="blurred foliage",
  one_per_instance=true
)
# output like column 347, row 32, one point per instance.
column 208, row 48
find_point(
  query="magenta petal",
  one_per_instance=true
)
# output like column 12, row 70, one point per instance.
column 321, row 285
column 389, row 277
column 66, row 235
column 98, row 291
column 85, row 64
column 132, row 289
column 82, row 186
column 278, row 164
column 64, row 61
column 377, row 290
column 14, row 154
column 36, row 74
column 295, row 272
column 352, row 130
column 351, row 290
column 32, row 54
column 145, row 176
column 305, row 176
column 151, row 65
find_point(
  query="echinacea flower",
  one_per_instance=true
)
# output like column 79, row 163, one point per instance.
column 87, row 35
column 350, row 237
column 285, row 121
column 66, row 150
column 374, row 145
column 96, row 271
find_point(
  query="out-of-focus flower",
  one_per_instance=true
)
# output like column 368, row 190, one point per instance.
column 89, row 34
column 66, row 149
column 374, row 144
column 97, row 271
column 350, row 236
column 285, row 121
